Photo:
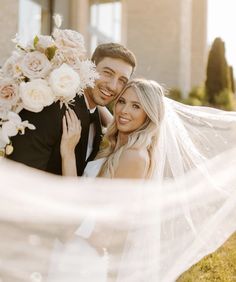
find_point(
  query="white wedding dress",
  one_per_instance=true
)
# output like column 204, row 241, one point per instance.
column 76, row 260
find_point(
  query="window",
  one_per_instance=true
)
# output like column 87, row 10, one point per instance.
column 29, row 20
column 105, row 22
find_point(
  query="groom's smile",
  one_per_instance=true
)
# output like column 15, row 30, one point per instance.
column 114, row 75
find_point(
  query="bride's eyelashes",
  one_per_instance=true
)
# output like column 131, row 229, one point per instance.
column 121, row 101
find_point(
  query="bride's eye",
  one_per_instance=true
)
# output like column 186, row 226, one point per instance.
column 136, row 106
column 121, row 101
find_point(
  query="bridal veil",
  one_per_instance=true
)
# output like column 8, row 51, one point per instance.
column 152, row 230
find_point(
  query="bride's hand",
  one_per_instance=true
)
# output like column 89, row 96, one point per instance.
column 71, row 132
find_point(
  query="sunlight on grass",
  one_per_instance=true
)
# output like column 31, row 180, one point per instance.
column 219, row 266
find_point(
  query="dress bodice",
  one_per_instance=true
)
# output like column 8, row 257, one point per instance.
column 93, row 167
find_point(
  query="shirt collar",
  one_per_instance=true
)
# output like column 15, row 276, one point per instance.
column 87, row 104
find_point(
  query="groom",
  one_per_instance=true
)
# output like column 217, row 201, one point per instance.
column 40, row 148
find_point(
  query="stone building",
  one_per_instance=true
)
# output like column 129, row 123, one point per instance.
column 167, row 36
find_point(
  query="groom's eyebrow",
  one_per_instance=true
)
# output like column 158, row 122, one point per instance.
column 107, row 68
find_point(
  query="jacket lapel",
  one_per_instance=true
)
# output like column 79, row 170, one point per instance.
column 97, row 137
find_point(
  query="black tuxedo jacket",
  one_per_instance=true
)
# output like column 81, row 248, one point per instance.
column 40, row 148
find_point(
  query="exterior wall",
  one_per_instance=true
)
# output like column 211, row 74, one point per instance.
column 199, row 42
column 152, row 35
column 161, row 39
column 9, row 27
column 168, row 39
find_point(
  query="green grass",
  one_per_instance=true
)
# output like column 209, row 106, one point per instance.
column 219, row 266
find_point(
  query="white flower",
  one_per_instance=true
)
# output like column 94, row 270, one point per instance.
column 9, row 95
column 12, row 126
column 58, row 20
column 88, row 74
column 65, row 82
column 11, row 67
column 36, row 94
column 70, row 56
column 35, row 65
column 44, row 42
column 69, row 38
column 9, row 149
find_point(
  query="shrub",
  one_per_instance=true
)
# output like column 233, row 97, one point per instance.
column 225, row 100
column 198, row 92
column 193, row 101
column 175, row 94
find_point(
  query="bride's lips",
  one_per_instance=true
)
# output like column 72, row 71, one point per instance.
column 123, row 120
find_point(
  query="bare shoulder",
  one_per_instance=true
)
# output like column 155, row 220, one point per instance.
column 134, row 155
column 133, row 163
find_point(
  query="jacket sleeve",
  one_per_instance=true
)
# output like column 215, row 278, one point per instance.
column 35, row 147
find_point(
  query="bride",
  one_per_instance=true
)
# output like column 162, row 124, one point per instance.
column 151, row 137
column 132, row 140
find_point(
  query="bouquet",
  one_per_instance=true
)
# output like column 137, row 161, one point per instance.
column 48, row 69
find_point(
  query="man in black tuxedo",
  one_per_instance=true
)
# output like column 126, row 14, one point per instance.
column 40, row 148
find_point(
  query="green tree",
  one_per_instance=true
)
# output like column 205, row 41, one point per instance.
column 218, row 76
column 231, row 73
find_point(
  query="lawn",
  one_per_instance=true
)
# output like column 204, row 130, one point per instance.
column 219, row 266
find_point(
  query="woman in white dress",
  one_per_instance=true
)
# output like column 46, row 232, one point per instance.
column 151, row 137
column 132, row 139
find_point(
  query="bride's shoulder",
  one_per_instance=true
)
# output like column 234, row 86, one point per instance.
column 133, row 163
column 132, row 155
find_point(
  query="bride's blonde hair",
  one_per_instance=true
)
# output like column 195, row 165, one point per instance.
column 150, row 95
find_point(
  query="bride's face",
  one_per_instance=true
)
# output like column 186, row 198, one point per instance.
column 129, row 114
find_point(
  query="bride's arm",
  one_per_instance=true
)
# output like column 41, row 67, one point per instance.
column 70, row 138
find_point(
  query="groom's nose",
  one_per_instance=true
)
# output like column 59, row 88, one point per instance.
column 113, row 85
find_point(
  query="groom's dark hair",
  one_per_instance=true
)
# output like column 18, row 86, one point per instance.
column 116, row 51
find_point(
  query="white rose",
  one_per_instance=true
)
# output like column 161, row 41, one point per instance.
column 69, row 38
column 9, row 95
column 44, row 42
column 65, row 82
column 70, row 56
column 35, row 65
column 12, row 66
column 36, row 95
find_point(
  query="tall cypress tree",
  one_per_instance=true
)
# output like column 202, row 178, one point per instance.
column 231, row 73
column 218, row 77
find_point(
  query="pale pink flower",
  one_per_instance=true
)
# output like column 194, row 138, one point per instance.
column 35, row 65
column 9, row 94
column 69, row 38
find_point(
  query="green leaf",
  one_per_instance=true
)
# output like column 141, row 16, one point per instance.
column 36, row 40
column 50, row 52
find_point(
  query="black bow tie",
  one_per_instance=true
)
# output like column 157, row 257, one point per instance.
column 92, row 117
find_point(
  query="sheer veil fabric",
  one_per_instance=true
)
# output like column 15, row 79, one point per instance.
column 151, row 230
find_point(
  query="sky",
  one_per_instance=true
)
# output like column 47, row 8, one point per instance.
column 222, row 23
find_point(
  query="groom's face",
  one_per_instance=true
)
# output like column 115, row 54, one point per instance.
column 114, row 75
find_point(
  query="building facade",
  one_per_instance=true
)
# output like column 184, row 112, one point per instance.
column 167, row 36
